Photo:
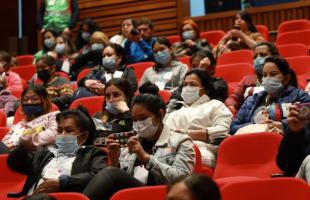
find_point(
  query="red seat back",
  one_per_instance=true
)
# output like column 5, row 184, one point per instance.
column 266, row 189
column 292, row 50
column 93, row 104
column 25, row 72
column 300, row 64
column 83, row 73
column 186, row 60
column 293, row 25
column 239, row 56
column 264, row 31
column 301, row 37
column 173, row 39
column 233, row 72
column 3, row 132
column 140, row 68
column 165, row 95
column 213, row 37
column 248, row 155
column 141, row 193
column 2, row 118
column 24, row 60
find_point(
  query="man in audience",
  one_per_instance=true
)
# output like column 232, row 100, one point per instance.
column 293, row 154
column 140, row 42
column 250, row 84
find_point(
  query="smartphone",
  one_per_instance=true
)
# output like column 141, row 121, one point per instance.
column 100, row 141
column 134, row 32
column 122, row 137
column 235, row 38
column 304, row 111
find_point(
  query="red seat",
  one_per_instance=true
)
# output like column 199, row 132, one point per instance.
column 173, row 39
column 20, row 116
column 266, row 189
column 165, row 95
column 199, row 168
column 292, row 50
column 63, row 74
column 248, row 155
column 213, row 37
column 140, row 68
column 141, row 193
column 83, row 73
column 300, row 64
column 301, row 37
column 293, row 25
column 239, row 56
column 233, row 73
column 10, row 181
column 93, row 104
column 3, row 132
column 25, row 72
column 2, row 118
column 186, row 60
column 264, row 31
column 24, row 60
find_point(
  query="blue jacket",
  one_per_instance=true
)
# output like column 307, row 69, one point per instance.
column 245, row 114
column 139, row 51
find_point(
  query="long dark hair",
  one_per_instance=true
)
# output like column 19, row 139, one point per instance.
column 166, row 42
column 54, row 33
column 119, row 51
column 248, row 19
column 92, row 27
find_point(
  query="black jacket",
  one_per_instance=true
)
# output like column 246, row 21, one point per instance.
column 88, row 162
column 293, row 149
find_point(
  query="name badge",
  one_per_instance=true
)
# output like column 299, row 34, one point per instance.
column 160, row 85
column 65, row 66
column 118, row 74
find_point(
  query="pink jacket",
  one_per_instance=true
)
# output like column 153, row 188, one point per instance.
column 14, row 81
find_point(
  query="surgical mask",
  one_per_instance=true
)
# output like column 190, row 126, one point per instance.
column 162, row 57
column 97, row 47
column 111, row 109
column 188, row 35
column 66, row 143
column 60, row 49
column 44, row 75
column 33, row 110
column 272, row 85
column 259, row 65
column 109, row 63
column 190, row 94
column 145, row 128
column 49, row 43
column 85, row 36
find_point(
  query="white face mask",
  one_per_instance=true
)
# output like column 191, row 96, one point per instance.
column 190, row 94
column 145, row 128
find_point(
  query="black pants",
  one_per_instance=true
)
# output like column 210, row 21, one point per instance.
column 108, row 181
column 3, row 148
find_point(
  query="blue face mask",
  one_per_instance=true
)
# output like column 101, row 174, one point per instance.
column 108, row 63
column 111, row 109
column 188, row 35
column 33, row 110
column 60, row 49
column 97, row 47
column 162, row 57
column 85, row 36
column 66, row 143
column 259, row 65
column 49, row 43
column 272, row 85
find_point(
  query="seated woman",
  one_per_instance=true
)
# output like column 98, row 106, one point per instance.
column 58, row 87
column 113, row 66
column 190, row 40
column 271, row 106
column 243, row 36
column 203, row 118
column 66, row 53
column 86, row 29
column 155, row 156
column 128, row 25
column 8, row 102
column 14, row 82
column 48, row 45
column 39, row 126
column 115, row 116
column 167, row 73
column 66, row 167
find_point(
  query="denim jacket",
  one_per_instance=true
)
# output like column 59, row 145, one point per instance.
column 173, row 156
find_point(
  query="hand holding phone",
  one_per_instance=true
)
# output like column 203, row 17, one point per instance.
column 304, row 111
column 123, row 137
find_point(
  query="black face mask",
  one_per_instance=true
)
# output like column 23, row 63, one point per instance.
column 44, row 75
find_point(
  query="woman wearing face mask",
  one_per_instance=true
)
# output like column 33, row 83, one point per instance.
column 59, row 88
column 97, row 42
column 203, row 118
column 115, row 116
column 66, row 53
column 271, row 106
column 128, row 24
column 39, row 126
column 190, row 40
column 243, row 36
column 155, row 156
column 251, row 84
column 48, row 45
column 86, row 29
column 167, row 73
column 66, row 167
column 113, row 65
column 8, row 102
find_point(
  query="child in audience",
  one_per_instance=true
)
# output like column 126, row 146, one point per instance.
column 8, row 102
